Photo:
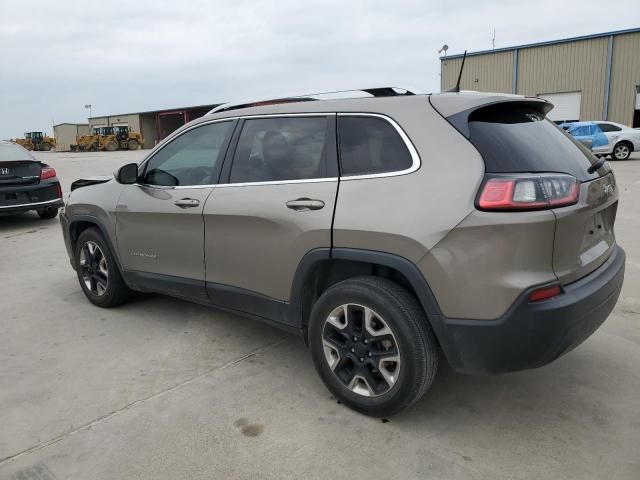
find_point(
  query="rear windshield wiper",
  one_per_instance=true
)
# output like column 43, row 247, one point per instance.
column 596, row 165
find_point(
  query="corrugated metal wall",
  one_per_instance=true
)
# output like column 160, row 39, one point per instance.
column 484, row 73
column 567, row 67
column 564, row 67
column 625, row 75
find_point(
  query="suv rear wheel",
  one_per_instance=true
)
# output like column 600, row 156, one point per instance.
column 372, row 345
column 98, row 272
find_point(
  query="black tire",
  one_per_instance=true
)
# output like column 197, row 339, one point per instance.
column 48, row 213
column 132, row 144
column 415, row 345
column 622, row 151
column 111, row 146
column 45, row 147
column 116, row 291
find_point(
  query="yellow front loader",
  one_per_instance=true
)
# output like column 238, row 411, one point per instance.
column 37, row 141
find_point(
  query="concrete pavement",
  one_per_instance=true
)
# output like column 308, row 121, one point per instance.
column 160, row 388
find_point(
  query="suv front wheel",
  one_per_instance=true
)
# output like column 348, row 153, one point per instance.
column 372, row 345
column 98, row 272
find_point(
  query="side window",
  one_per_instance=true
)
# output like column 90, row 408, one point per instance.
column 607, row 127
column 190, row 159
column 370, row 145
column 285, row 148
column 579, row 131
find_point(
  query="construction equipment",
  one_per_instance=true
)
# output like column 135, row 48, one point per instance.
column 109, row 138
column 126, row 139
column 37, row 141
column 87, row 143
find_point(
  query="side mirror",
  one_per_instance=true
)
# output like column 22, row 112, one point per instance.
column 127, row 174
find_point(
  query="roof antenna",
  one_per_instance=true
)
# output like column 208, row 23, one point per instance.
column 457, row 87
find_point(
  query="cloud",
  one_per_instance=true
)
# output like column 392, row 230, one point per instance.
column 127, row 56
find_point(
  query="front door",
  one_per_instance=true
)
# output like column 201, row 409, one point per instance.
column 159, row 222
column 276, row 206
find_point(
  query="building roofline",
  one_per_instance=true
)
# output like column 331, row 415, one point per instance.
column 541, row 44
column 157, row 110
column 70, row 123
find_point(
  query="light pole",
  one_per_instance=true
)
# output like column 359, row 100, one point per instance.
column 88, row 106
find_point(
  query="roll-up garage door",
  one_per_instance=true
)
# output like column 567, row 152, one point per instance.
column 566, row 106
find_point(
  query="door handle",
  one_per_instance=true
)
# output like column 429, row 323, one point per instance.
column 302, row 204
column 187, row 202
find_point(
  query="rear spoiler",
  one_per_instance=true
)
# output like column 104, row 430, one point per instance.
column 459, row 118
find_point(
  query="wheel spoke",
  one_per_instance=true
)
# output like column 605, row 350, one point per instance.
column 102, row 267
column 101, row 285
column 331, row 353
column 374, row 325
column 359, row 385
column 389, row 367
column 339, row 317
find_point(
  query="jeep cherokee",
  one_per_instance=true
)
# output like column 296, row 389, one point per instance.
column 384, row 230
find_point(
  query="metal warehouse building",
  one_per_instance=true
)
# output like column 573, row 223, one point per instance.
column 595, row 77
column 66, row 133
column 154, row 125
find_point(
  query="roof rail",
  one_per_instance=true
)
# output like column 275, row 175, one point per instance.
column 336, row 95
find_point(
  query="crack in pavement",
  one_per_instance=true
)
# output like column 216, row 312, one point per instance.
column 103, row 418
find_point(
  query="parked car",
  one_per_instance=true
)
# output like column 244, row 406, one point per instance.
column 622, row 140
column 381, row 230
column 606, row 138
column 26, row 183
column 589, row 134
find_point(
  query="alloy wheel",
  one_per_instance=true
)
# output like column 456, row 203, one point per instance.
column 94, row 269
column 361, row 350
column 621, row 152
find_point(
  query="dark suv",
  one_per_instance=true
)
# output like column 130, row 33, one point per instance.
column 381, row 229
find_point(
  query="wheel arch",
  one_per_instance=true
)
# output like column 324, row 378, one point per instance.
column 626, row 141
column 321, row 268
column 80, row 223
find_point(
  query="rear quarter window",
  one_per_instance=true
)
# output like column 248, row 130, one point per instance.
column 516, row 138
column 370, row 145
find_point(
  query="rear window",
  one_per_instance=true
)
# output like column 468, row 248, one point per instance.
column 516, row 138
column 10, row 152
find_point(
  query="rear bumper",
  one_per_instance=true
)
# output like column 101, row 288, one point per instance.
column 531, row 335
column 21, row 198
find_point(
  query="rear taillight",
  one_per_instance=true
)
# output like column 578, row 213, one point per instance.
column 58, row 190
column 528, row 192
column 47, row 172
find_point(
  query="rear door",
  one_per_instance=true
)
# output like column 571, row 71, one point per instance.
column 276, row 206
column 611, row 133
column 159, row 225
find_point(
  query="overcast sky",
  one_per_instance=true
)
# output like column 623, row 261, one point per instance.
column 127, row 56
